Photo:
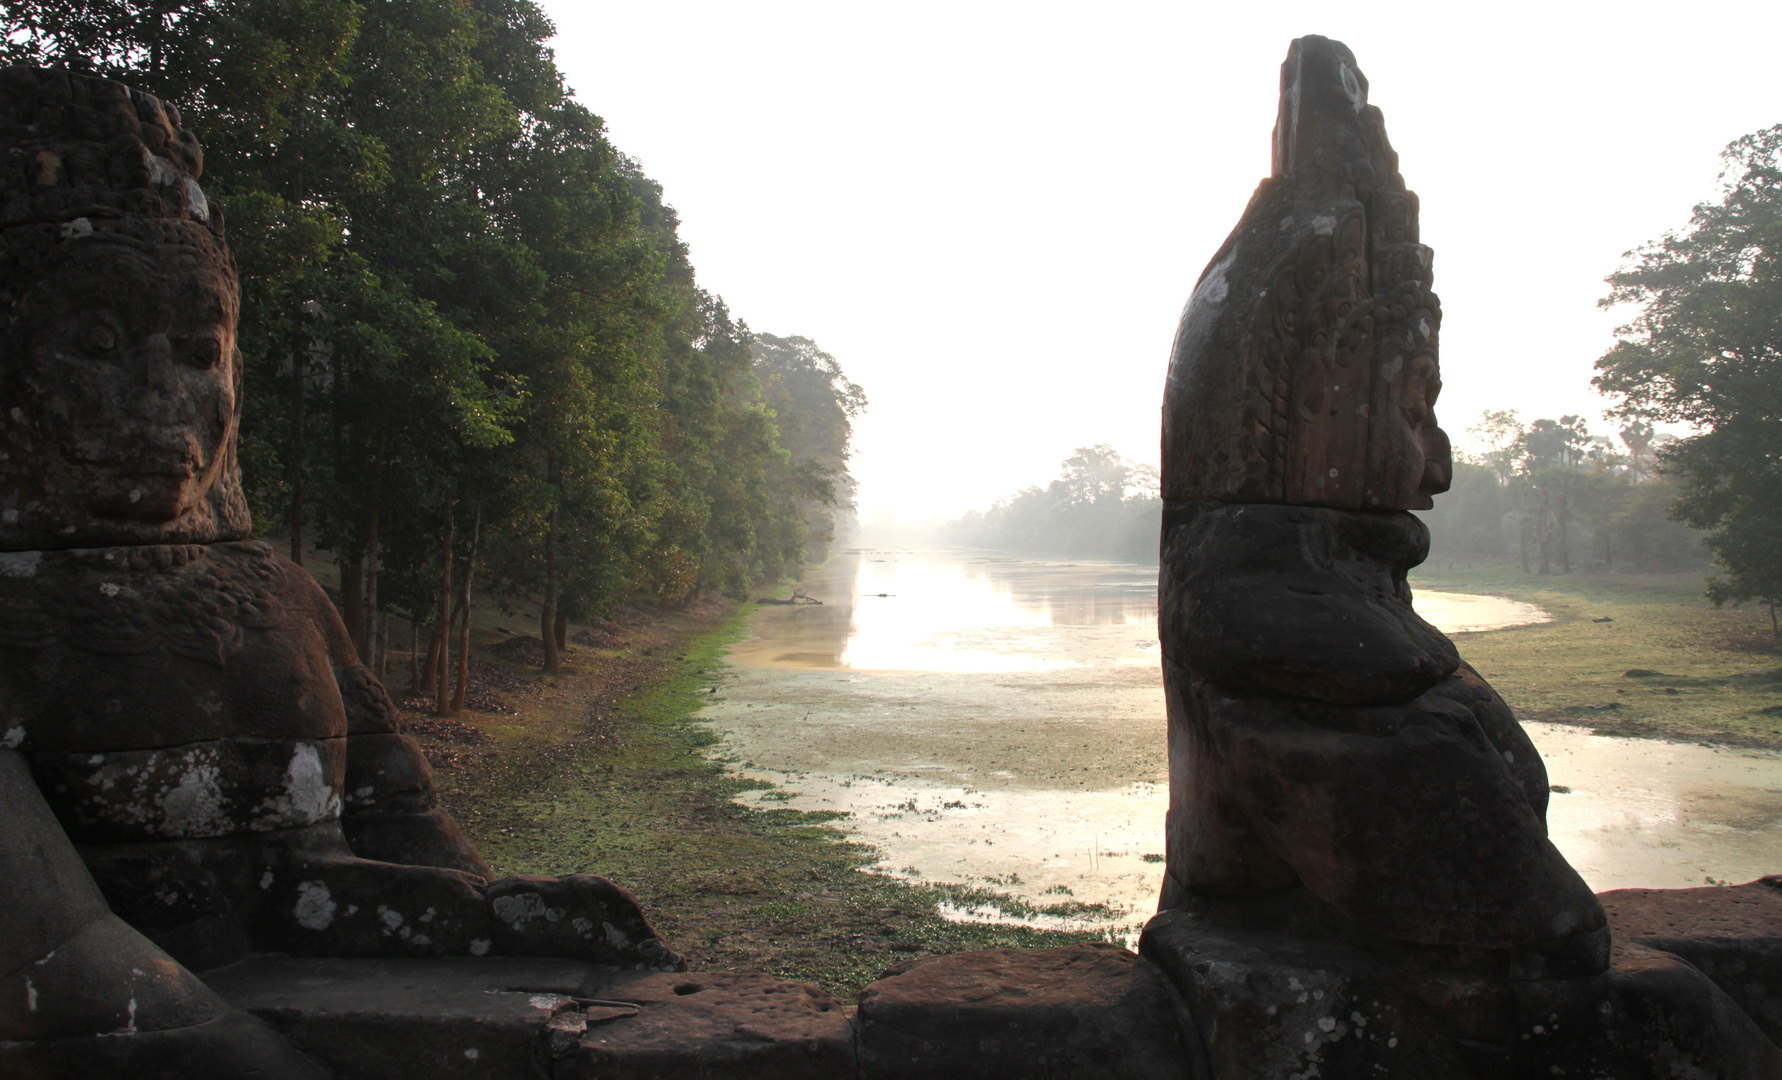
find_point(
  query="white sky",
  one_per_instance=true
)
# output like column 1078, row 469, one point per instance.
column 991, row 213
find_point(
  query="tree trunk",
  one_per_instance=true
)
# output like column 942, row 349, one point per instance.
column 414, row 658
column 442, row 692
column 547, row 616
column 1565, row 513
column 430, row 670
column 561, row 629
column 1522, row 540
column 299, row 356
column 352, row 598
column 368, row 644
column 476, row 535
column 1543, row 535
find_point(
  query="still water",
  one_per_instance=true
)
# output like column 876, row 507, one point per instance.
column 996, row 721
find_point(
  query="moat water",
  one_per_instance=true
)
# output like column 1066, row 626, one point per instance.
column 997, row 722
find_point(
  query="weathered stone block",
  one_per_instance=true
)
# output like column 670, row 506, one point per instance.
column 706, row 1026
column 400, row 1019
column 233, row 1046
column 1304, row 368
column 1085, row 1013
column 1733, row 935
column 579, row 915
column 1273, row 1004
column 1296, row 600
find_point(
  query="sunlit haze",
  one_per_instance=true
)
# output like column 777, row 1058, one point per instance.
column 991, row 214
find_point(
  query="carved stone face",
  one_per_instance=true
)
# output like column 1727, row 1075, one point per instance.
column 123, row 387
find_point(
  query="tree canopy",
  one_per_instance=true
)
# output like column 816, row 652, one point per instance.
column 472, row 333
column 1705, row 348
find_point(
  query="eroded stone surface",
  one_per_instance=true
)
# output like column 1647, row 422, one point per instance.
column 442, row 1019
column 118, row 361
column 189, row 702
column 1086, row 1012
column 81, row 993
column 1321, row 734
column 709, row 1025
column 578, row 915
column 1731, row 934
column 1304, row 369
column 1274, row 1005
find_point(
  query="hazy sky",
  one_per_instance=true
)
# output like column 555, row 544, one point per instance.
column 991, row 214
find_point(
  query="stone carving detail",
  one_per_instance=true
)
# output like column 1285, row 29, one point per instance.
column 1304, row 369
column 1356, row 818
column 1318, row 724
column 194, row 765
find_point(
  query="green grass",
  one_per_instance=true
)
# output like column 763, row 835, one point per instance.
column 1716, row 675
column 637, row 800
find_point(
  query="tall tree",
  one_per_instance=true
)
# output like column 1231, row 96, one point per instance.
column 1705, row 348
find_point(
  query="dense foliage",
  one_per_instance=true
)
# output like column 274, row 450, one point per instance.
column 473, row 337
column 1553, row 497
column 1102, row 505
column 1705, row 348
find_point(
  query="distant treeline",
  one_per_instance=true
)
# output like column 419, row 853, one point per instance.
column 1550, row 496
column 1102, row 506
column 473, row 340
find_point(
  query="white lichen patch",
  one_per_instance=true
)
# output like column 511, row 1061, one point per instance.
column 19, row 564
column 1213, row 288
column 315, row 906
column 195, row 806
column 1352, row 87
column 308, row 796
column 516, row 909
column 14, row 737
column 479, row 946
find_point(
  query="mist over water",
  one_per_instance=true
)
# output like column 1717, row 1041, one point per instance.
column 997, row 721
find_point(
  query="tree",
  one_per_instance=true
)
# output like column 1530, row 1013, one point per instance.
column 472, row 330
column 1705, row 348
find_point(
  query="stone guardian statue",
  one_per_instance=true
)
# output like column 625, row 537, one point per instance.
column 194, row 766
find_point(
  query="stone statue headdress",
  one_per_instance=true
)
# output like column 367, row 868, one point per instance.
column 1304, row 369
column 120, row 379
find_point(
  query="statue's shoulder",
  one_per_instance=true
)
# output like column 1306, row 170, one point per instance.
column 195, row 600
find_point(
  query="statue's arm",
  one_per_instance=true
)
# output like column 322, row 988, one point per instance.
column 74, row 976
column 389, row 809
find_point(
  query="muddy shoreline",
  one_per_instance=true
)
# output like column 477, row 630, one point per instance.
column 602, row 769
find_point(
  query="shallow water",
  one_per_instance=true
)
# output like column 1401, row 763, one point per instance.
column 992, row 720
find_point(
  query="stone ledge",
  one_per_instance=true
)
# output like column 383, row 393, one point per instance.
column 1087, row 1012
column 1733, row 934
column 451, row 1019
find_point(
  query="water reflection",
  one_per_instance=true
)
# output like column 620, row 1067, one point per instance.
column 991, row 718
column 959, row 612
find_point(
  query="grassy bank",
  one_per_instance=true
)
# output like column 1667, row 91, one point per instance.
column 603, row 769
column 1628, row 654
